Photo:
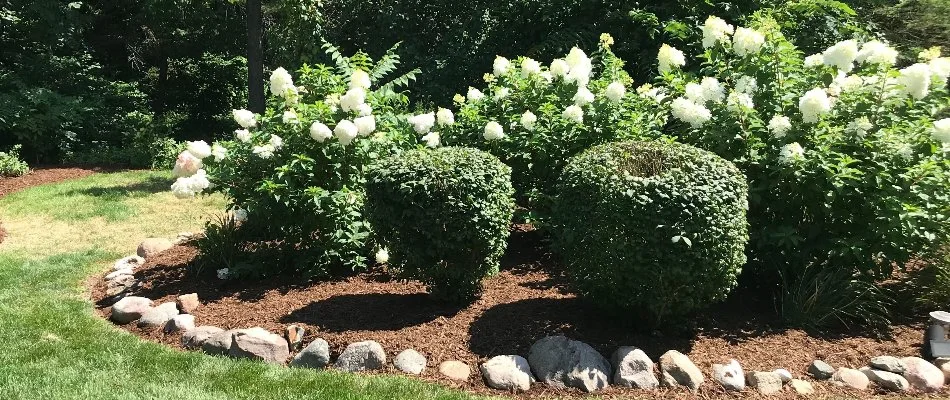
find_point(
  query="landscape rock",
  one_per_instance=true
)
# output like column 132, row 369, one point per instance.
column 410, row 362
column 922, row 375
column 117, row 273
column 511, row 373
column 784, row 374
column 944, row 365
column 765, row 382
column 180, row 323
column 258, row 344
column 294, row 335
column 188, row 303
column 129, row 263
column 633, row 369
column 820, row 370
column 158, row 316
column 886, row 380
column 677, row 370
column 730, row 376
column 184, row 237
column 152, row 246
column 362, row 356
column 218, row 343
column 120, row 284
column 455, row 370
column 130, row 309
column 887, row 363
column 561, row 362
column 194, row 338
column 316, row 355
column 851, row 378
column 802, row 387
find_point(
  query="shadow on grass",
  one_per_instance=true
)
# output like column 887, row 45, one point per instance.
column 371, row 311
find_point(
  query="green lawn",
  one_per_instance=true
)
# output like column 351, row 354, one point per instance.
column 52, row 346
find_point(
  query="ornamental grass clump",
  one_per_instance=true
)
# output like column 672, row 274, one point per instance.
column 443, row 216
column 651, row 229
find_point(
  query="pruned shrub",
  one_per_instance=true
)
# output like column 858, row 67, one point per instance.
column 444, row 216
column 655, row 229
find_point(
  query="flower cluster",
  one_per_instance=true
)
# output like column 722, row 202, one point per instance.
column 192, row 179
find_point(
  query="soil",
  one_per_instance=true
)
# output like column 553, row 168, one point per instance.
column 526, row 301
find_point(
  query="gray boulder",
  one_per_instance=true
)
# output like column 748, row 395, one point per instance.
column 180, row 323
column 362, row 356
column 194, row 338
column 633, row 369
column 410, row 362
column 730, row 376
column 887, row 363
column 120, row 284
column 218, row 343
column 765, row 382
column 511, row 373
column 158, row 316
column 677, row 370
column 561, row 362
column 886, row 380
column 820, row 370
column 128, row 263
column 259, row 344
column 316, row 355
column 129, row 309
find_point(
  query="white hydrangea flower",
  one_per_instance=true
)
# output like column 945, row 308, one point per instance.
column 500, row 66
column 577, row 57
column 713, row 90
column 747, row 41
column 352, row 99
column 690, row 112
column 494, row 131
column 363, row 110
column 276, row 142
column 290, row 117
column 845, row 83
column 859, row 127
column 841, row 55
column 365, row 125
column 320, row 132
column 528, row 119
column 444, row 116
column 546, row 77
column 186, row 164
column 242, row 135
column 360, row 79
column 940, row 67
column 185, row 187
column 790, row 153
column 747, row 84
column 815, row 60
column 281, row 82
column 941, row 130
column 382, row 256
column 694, row 92
column 615, row 91
column 345, row 132
column 574, row 113
column 474, row 94
column 647, row 91
column 877, row 52
column 422, row 123
column 669, row 57
column 583, row 96
column 244, row 118
column 929, row 54
column 716, row 30
column 739, row 102
column 219, row 152
column 559, row 68
column 530, row 67
column 915, row 80
column 199, row 149
column 432, row 139
column 580, row 67
column 266, row 151
column 501, row 93
column 814, row 104
column 905, row 152
column 779, row 125
column 223, row 273
column 239, row 215
column 332, row 101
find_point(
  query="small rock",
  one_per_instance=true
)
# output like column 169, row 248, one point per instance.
column 117, row 273
column 316, row 355
column 130, row 309
column 120, row 285
column 130, row 263
column 851, row 378
column 784, row 374
column 455, row 370
column 184, row 237
column 802, row 387
column 180, row 323
column 294, row 335
column 218, row 343
column 820, row 370
column 633, row 369
column 561, row 362
column 887, row 363
column 194, row 338
column 361, row 356
column 410, row 362
column 153, row 246
column 188, row 303
column 158, row 316
column 730, row 376
column 922, row 375
column 886, row 380
column 510, row 373
column 765, row 382
column 944, row 365
column 259, row 344
column 678, row 370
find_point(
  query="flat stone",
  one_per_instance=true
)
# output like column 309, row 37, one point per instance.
column 851, row 378
column 120, row 284
column 316, row 355
column 678, row 370
column 294, row 335
column 194, row 338
column 180, row 323
column 152, row 246
column 802, row 387
column 886, row 380
column 820, row 370
column 561, row 362
column 218, row 343
column 784, row 374
column 361, row 356
column 633, row 369
column 130, row 263
column 259, row 344
column 730, row 376
column 130, row 309
column 765, row 382
column 117, row 273
column 887, row 363
column 922, row 375
column 188, row 303
column 158, row 316
column 410, row 362
column 455, row 370
column 510, row 373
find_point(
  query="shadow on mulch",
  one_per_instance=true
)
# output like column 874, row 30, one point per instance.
column 371, row 311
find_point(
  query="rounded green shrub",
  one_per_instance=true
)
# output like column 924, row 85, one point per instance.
column 444, row 215
column 652, row 229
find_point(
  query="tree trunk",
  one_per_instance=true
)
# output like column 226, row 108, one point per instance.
column 255, row 57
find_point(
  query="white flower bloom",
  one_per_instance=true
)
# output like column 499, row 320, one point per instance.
column 690, row 112
column 185, row 187
column 332, row 101
column 494, row 131
column 186, row 164
column 239, row 215
column 199, row 149
column 814, row 104
column 365, row 125
column 474, row 94
column 694, row 92
column 929, row 54
column 647, row 91
column 845, row 83
column 615, row 91
column 559, row 68
column 859, row 127
column 265, row 151
column 669, row 57
column 345, row 131
column 739, row 102
column 528, row 120
column 716, row 30
column 219, row 152
column 790, row 153
column 276, row 142
column 290, row 117
column 746, row 84
column 364, row 110
column 546, row 77
column 243, row 135
column 580, row 67
column 574, row 113
column 244, row 118
column 500, row 66
column 422, row 123
column 352, row 99
column 747, row 41
column 530, row 67
column 432, row 139
column 877, row 52
column 941, row 131
column 320, row 132
column 779, row 125
column 940, row 67
column 713, row 90
column 360, row 79
column 583, row 96
column 915, row 80
column 444, row 116
column 382, row 256
column 281, row 82
column 841, row 55
column 815, row 60
column 577, row 57
column 501, row 93
column 905, row 152
column 223, row 273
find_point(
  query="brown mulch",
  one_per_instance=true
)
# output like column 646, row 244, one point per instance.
column 520, row 305
column 41, row 176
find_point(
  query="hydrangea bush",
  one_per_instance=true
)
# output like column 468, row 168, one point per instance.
column 846, row 154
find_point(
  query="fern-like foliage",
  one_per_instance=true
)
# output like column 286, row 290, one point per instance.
column 378, row 70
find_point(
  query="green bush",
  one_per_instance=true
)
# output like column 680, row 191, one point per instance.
column 655, row 229
column 11, row 164
column 444, row 215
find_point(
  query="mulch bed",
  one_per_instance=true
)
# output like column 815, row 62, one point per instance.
column 38, row 177
column 520, row 305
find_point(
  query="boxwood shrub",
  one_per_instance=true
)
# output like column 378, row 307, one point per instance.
column 444, row 216
column 651, row 229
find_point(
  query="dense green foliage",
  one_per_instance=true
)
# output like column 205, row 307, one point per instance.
column 653, row 229
column 914, row 25
column 11, row 164
column 443, row 214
